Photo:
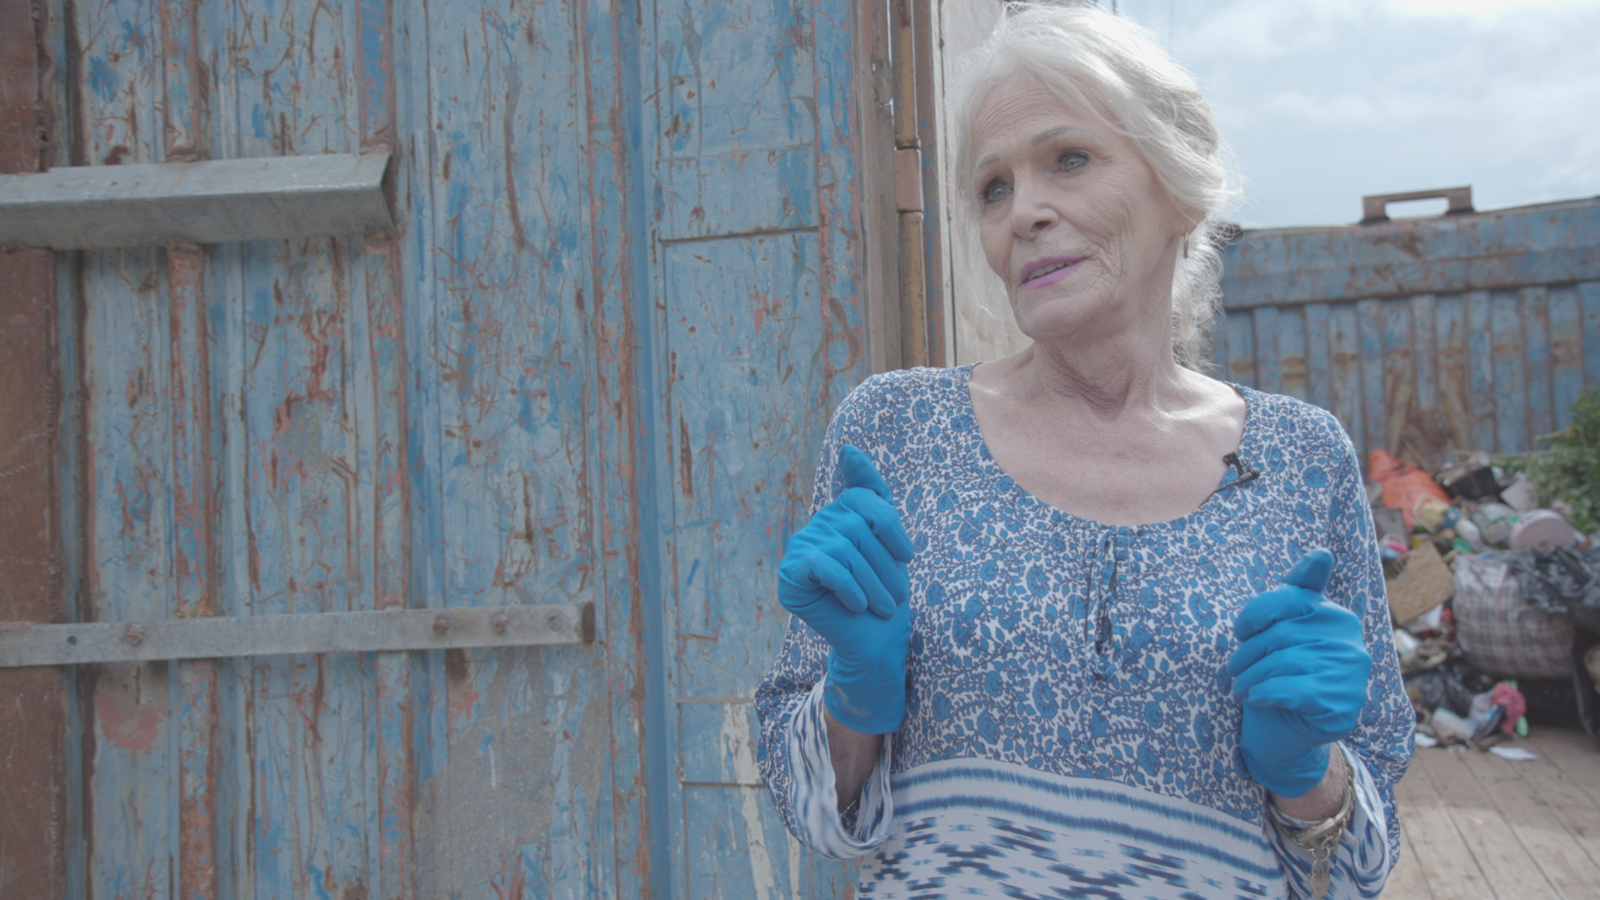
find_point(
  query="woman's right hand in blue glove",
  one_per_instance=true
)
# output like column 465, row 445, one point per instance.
column 845, row 575
column 1301, row 671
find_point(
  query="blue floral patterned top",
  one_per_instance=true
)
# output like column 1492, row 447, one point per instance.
column 1070, row 729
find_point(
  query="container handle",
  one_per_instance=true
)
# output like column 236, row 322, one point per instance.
column 1375, row 207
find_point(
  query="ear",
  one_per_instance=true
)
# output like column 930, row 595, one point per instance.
column 1188, row 219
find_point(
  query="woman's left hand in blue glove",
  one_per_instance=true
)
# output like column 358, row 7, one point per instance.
column 1301, row 671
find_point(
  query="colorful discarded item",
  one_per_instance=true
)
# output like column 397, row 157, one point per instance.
column 1515, row 754
column 1507, row 698
column 1403, row 483
column 1434, row 513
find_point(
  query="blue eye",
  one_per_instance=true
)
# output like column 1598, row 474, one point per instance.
column 994, row 192
column 1072, row 159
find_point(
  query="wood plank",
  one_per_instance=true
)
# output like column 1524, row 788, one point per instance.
column 1447, row 862
column 1578, row 759
column 132, row 828
column 736, row 309
column 33, row 718
column 206, row 202
column 1407, row 881
column 1568, row 801
column 1507, row 866
column 1564, row 862
column 634, row 765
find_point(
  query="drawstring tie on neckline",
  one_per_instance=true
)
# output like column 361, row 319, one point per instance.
column 1100, row 623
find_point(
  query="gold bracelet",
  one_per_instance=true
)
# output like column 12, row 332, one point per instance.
column 1322, row 839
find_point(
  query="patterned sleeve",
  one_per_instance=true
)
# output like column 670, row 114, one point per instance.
column 793, row 750
column 1381, row 744
column 1362, row 865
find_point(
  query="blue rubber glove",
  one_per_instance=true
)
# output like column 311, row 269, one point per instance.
column 844, row 573
column 1301, row 670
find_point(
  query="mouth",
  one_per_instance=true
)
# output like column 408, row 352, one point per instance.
column 1048, row 271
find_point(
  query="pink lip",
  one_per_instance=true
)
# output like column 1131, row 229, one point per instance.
column 1069, row 264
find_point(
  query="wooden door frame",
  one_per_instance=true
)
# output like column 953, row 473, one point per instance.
column 33, row 718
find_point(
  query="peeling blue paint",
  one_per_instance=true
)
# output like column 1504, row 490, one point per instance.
column 102, row 78
column 486, row 408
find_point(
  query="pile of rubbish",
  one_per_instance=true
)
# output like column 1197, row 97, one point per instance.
column 1496, row 601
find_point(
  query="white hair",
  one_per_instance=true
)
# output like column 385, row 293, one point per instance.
column 1108, row 67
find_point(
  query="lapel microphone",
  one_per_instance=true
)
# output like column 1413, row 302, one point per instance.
column 1245, row 471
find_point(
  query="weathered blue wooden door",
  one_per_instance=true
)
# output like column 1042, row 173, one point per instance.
column 592, row 364
column 759, row 331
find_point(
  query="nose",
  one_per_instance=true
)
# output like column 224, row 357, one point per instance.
column 1031, row 215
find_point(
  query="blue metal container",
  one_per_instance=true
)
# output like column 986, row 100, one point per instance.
column 1466, row 331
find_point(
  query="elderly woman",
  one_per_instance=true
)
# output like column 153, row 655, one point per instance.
column 1084, row 622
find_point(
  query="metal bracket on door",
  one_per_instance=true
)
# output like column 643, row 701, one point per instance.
column 346, row 632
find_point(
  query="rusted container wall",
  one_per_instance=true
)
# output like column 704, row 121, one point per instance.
column 1473, row 331
column 593, row 363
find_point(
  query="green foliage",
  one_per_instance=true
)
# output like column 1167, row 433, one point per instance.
column 1570, row 469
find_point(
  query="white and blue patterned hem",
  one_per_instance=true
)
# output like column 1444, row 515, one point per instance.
column 983, row 828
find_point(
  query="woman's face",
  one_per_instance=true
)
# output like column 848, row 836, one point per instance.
column 1071, row 218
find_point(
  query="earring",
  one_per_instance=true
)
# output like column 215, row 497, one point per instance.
column 1186, row 245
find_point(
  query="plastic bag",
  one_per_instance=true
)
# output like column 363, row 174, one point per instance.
column 1563, row 580
column 1450, row 686
column 1403, row 484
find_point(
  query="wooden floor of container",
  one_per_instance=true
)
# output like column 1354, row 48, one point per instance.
column 1474, row 825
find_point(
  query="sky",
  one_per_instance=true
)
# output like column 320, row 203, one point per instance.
column 1324, row 101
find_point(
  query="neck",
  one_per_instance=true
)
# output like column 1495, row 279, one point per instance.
column 1128, row 374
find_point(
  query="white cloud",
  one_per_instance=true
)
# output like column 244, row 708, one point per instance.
column 1326, row 100
column 1483, row 9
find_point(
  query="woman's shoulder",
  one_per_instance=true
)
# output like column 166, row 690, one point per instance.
column 883, row 398
column 1294, row 423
